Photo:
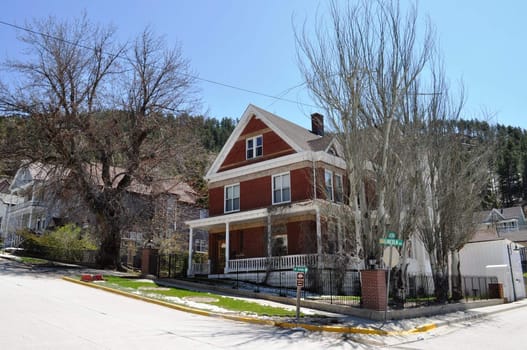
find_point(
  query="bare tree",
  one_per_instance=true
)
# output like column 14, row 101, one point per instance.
column 98, row 109
column 409, row 169
column 360, row 71
column 454, row 172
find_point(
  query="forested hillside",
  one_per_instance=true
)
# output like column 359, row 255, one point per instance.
column 211, row 133
column 507, row 185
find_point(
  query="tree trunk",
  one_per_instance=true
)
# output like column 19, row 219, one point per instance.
column 440, row 277
column 110, row 248
column 457, row 289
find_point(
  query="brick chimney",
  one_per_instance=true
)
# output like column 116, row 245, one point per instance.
column 317, row 124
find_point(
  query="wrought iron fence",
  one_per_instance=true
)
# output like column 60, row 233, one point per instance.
column 171, row 265
column 343, row 287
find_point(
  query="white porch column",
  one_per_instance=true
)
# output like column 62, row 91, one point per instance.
column 227, row 247
column 269, row 236
column 319, row 234
column 190, row 272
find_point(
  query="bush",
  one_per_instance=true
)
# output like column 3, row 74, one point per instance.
column 67, row 243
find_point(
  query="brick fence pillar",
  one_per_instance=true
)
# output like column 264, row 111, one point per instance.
column 373, row 286
column 146, row 260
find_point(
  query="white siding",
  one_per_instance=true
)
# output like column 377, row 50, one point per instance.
column 485, row 258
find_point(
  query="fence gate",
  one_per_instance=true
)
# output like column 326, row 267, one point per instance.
column 172, row 266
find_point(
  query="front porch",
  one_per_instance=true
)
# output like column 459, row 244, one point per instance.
column 275, row 263
column 245, row 241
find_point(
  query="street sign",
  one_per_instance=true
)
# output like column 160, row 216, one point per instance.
column 300, row 279
column 302, row 269
column 391, row 240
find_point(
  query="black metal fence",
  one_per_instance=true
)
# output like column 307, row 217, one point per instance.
column 478, row 287
column 344, row 287
column 170, row 265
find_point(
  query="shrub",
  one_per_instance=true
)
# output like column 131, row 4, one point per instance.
column 66, row 243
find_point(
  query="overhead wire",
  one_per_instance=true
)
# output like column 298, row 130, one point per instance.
column 210, row 81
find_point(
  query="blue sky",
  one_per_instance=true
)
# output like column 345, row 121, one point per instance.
column 250, row 44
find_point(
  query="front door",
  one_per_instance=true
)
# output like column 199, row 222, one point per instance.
column 220, row 266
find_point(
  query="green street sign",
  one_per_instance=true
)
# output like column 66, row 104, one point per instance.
column 300, row 269
column 392, row 235
column 391, row 240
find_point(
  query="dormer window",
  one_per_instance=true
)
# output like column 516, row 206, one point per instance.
column 254, row 147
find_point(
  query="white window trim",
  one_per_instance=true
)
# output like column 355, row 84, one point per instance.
column 273, row 189
column 341, row 188
column 254, row 138
column 326, row 172
column 225, row 198
column 200, row 246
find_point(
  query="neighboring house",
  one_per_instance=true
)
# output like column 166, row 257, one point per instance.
column 270, row 188
column 7, row 203
column 509, row 223
column 28, row 208
column 34, row 204
column 503, row 220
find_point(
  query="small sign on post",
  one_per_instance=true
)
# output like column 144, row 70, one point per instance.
column 302, row 269
column 391, row 240
column 300, row 278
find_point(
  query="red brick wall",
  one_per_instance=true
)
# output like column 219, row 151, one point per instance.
column 273, row 146
column 373, row 284
column 216, row 197
column 254, row 125
column 301, row 237
column 257, row 193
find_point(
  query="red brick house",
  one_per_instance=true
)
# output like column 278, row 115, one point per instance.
column 266, row 190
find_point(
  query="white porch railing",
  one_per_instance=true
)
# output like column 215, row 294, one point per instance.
column 275, row 263
column 201, row 268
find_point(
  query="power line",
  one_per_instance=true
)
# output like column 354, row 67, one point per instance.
column 210, row 81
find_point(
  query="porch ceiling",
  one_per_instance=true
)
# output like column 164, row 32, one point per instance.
column 251, row 217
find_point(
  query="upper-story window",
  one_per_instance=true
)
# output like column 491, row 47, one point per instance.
column 254, row 147
column 339, row 189
column 232, row 198
column 328, row 184
column 281, row 188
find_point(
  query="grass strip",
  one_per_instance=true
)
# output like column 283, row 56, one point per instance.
column 150, row 289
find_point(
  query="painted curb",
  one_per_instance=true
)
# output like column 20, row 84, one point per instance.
column 253, row 320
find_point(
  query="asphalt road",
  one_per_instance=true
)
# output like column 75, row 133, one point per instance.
column 503, row 331
column 38, row 310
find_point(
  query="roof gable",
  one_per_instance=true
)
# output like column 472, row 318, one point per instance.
column 255, row 119
column 496, row 215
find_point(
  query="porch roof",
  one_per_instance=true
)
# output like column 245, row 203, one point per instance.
column 252, row 215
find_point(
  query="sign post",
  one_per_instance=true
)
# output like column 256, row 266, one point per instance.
column 300, row 278
column 391, row 240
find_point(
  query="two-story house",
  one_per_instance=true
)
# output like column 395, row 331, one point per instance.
column 267, row 188
column 34, row 202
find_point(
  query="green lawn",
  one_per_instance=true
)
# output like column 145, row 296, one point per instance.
column 33, row 261
column 231, row 304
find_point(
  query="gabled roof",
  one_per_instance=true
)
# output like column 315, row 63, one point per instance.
column 299, row 138
column 175, row 185
column 502, row 214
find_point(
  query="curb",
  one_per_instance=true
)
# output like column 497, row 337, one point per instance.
column 478, row 316
column 253, row 320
